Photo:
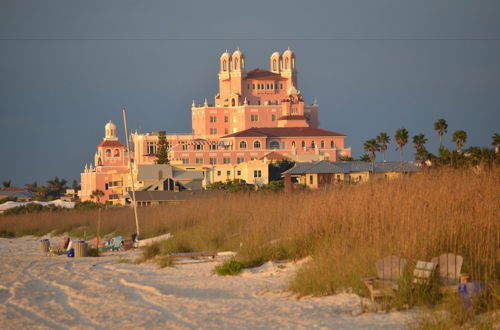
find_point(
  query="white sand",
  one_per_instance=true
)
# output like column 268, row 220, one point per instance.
column 60, row 292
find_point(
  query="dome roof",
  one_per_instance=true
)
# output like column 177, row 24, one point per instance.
column 225, row 54
column 288, row 52
column 238, row 52
column 110, row 125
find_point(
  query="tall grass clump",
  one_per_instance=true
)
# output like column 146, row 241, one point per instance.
column 344, row 229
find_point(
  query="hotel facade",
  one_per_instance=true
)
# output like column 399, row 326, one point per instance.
column 255, row 114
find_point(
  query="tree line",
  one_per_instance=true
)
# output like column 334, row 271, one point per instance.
column 457, row 157
column 54, row 189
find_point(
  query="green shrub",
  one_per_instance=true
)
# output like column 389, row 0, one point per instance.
column 232, row 267
column 7, row 234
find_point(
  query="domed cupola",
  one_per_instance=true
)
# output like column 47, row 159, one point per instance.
column 110, row 131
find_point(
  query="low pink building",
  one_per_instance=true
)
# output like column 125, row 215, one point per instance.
column 111, row 158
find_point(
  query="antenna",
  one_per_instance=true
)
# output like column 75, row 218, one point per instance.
column 134, row 203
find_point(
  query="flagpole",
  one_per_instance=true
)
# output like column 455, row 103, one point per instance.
column 134, row 202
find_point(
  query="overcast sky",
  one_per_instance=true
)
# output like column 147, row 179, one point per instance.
column 67, row 67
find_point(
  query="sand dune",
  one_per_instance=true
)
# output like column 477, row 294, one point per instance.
column 88, row 293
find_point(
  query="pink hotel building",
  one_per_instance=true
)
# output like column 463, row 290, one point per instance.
column 259, row 114
column 255, row 113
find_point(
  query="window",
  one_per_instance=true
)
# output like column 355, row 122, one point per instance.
column 108, row 152
column 313, row 145
column 151, row 148
column 322, row 144
column 116, row 153
column 253, row 86
column 199, row 160
column 274, row 145
column 267, row 86
column 233, row 102
column 226, row 119
column 258, row 102
column 213, row 119
column 228, row 173
column 332, row 144
column 238, row 173
column 303, row 144
column 275, row 86
column 273, row 117
column 248, row 86
column 257, row 174
column 224, row 65
column 213, row 146
column 219, row 173
column 243, row 145
column 226, row 130
column 274, row 65
column 310, row 179
column 236, row 64
column 106, row 186
column 256, row 145
column 198, row 147
column 262, row 86
column 213, row 131
column 226, row 160
column 286, row 63
column 213, row 160
column 293, row 144
column 254, row 118
column 185, row 160
column 240, row 160
column 258, row 86
column 272, row 85
column 281, row 86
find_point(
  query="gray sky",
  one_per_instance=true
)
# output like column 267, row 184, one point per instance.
column 67, row 67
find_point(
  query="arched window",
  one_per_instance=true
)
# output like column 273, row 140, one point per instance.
column 236, row 64
column 108, row 152
column 243, row 145
column 224, row 65
column 274, row 145
column 99, row 162
column 293, row 144
column 233, row 102
column 116, row 153
column 256, row 145
column 293, row 62
column 322, row 144
column 303, row 144
column 313, row 145
column 274, row 65
column 332, row 144
column 286, row 63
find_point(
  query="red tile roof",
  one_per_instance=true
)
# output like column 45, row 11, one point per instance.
column 262, row 74
column 108, row 143
column 13, row 189
column 283, row 132
column 273, row 155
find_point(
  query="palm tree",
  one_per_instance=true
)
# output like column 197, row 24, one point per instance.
column 371, row 146
column 459, row 137
column 364, row 158
column 383, row 139
column 97, row 194
column 33, row 187
column 496, row 141
column 419, row 141
column 401, row 138
column 6, row 184
column 56, row 186
column 441, row 127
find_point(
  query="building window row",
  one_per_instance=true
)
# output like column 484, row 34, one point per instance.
column 116, row 153
column 268, row 86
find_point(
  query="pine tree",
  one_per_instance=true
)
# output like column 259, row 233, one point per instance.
column 162, row 149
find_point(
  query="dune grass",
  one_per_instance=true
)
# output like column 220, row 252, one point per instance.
column 345, row 229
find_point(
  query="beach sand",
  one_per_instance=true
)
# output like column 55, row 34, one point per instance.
column 37, row 291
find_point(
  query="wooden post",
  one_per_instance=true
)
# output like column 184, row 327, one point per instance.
column 98, row 229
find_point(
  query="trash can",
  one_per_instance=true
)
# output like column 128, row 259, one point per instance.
column 81, row 249
column 44, row 245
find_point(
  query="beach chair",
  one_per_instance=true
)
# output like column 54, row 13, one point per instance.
column 115, row 243
column 424, row 272
column 450, row 276
column 389, row 271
